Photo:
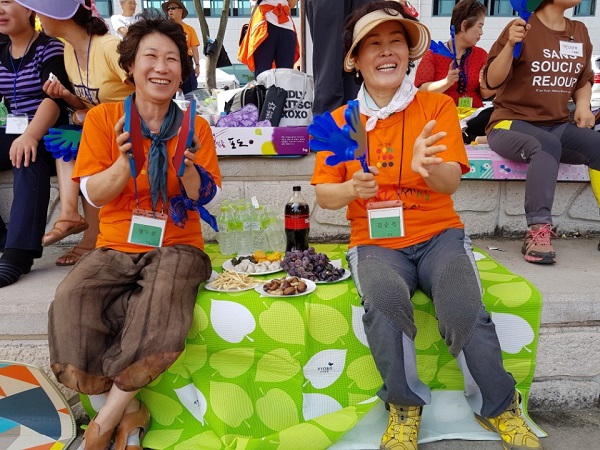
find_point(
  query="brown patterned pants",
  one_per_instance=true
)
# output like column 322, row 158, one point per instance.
column 122, row 318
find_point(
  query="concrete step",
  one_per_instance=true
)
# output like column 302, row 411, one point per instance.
column 568, row 364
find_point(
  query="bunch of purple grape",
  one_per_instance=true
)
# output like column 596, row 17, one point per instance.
column 311, row 265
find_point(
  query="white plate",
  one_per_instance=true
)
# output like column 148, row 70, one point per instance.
column 208, row 287
column 347, row 274
column 227, row 265
column 310, row 287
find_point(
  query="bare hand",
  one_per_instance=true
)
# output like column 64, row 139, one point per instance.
column 453, row 73
column 424, row 150
column 190, row 156
column 584, row 118
column 55, row 89
column 517, row 31
column 364, row 184
column 23, row 150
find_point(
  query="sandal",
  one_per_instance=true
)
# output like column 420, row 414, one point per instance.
column 93, row 440
column 139, row 419
column 56, row 234
column 72, row 256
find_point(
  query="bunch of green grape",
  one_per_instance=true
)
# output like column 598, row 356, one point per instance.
column 310, row 265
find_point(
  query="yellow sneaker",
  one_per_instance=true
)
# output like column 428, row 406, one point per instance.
column 512, row 428
column 403, row 428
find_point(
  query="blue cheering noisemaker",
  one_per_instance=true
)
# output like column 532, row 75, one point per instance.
column 347, row 143
column 63, row 142
column 520, row 7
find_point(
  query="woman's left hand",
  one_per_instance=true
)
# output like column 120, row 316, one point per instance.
column 190, row 155
column 584, row 118
column 23, row 150
column 424, row 150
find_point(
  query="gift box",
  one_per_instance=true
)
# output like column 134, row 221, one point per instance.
column 261, row 141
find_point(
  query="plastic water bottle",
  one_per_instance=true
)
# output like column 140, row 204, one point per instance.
column 226, row 236
column 246, row 234
column 3, row 112
column 258, row 227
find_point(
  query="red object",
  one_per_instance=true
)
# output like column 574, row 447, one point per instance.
column 297, row 222
column 185, row 140
column 410, row 10
column 133, row 126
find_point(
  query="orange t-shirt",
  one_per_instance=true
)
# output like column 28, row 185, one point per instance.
column 98, row 150
column 426, row 212
column 191, row 38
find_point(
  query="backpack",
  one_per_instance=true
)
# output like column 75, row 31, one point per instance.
column 252, row 93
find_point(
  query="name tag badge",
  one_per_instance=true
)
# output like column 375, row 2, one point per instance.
column 465, row 102
column 147, row 228
column 16, row 123
column 571, row 48
column 386, row 219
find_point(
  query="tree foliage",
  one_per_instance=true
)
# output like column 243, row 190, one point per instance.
column 211, row 61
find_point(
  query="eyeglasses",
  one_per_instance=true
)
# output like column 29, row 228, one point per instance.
column 171, row 8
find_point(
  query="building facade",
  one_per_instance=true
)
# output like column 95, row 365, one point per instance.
column 434, row 13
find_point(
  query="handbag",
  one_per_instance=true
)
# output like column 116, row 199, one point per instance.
column 211, row 48
column 300, row 94
column 252, row 93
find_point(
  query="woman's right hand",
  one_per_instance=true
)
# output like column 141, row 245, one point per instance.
column 453, row 73
column 122, row 138
column 364, row 184
column 55, row 89
column 517, row 31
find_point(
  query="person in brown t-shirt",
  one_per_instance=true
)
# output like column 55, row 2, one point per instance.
column 531, row 120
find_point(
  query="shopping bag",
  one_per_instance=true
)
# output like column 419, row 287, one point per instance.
column 272, row 109
column 300, row 94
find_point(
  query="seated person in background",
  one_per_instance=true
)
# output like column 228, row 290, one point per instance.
column 91, row 62
column 531, row 119
column 439, row 73
column 132, row 304
column 120, row 22
column 416, row 158
column 27, row 59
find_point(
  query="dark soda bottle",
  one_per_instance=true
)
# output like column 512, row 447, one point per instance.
column 297, row 222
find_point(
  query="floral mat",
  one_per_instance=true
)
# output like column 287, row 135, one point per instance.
column 296, row 373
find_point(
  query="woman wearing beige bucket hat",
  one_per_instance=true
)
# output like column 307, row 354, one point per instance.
column 415, row 157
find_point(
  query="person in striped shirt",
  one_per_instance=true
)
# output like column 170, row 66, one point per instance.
column 27, row 59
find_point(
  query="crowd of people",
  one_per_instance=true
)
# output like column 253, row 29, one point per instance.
column 123, row 286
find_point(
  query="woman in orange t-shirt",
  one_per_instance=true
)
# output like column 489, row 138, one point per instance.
column 132, row 298
column 404, row 232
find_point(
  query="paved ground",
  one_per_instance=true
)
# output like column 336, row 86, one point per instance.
column 575, row 277
column 567, row 430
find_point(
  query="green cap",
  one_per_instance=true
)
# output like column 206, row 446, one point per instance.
column 532, row 5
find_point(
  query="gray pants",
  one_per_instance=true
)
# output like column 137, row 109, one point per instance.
column 544, row 148
column 444, row 268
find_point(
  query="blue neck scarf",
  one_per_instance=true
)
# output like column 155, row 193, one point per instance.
column 157, row 156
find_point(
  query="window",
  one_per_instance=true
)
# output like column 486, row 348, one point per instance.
column 501, row 8
column 496, row 8
column 213, row 8
column 105, row 7
column 585, row 8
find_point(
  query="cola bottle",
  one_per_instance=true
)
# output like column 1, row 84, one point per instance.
column 297, row 222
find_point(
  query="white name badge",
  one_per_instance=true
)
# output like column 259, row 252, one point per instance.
column 16, row 123
column 386, row 219
column 571, row 48
column 147, row 228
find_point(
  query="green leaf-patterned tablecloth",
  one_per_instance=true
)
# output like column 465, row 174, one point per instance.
column 296, row 373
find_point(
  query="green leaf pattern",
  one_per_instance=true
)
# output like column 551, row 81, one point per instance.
column 263, row 373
